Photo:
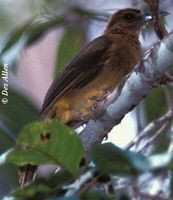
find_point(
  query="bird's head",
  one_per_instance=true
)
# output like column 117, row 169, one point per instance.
column 131, row 20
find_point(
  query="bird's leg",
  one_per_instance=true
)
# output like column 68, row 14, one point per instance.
column 98, row 99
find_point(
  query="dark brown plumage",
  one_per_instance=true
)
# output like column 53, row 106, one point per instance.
column 95, row 72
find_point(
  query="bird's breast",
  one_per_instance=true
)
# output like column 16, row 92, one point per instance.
column 79, row 104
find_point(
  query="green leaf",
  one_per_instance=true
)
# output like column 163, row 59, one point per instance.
column 48, row 142
column 72, row 41
column 44, row 187
column 15, row 36
column 114, row 160
column 24, row 36
column 162, row 141
column 7, row 137
column 17, row 112
column 38, row 30
column 59, row 179
column 82, row 12
column 32, row 191
column 155, row 104
column 11, row 50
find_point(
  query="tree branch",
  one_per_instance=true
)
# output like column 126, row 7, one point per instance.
column 140, row 82
column 155, row 125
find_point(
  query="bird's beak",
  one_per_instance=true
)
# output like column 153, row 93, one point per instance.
column 163, row 13
column 147, row 17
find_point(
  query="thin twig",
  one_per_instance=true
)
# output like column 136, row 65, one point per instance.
column 74, row 187
column 150, row 140
column 152, row 126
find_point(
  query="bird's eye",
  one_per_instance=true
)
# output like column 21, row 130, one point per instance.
column 129, row 16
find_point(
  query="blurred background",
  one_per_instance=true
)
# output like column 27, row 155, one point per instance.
column 38, row 39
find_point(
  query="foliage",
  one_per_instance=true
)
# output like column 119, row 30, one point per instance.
column 37, row 144
column 25, row 140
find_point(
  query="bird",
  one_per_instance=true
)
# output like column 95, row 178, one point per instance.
column 94, row 72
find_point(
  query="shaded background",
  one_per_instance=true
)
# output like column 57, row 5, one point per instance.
column 34, row 64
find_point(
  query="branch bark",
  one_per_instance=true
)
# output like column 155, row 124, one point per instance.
column 140, row 82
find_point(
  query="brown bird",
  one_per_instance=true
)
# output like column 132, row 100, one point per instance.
column 95, row 72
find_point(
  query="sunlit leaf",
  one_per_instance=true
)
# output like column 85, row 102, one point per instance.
column 48, row 142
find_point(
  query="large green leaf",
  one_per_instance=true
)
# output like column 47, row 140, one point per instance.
column 114, row 160
column 48, row 142
column 72, row 41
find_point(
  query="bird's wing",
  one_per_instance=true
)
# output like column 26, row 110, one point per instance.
column 84, row 67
